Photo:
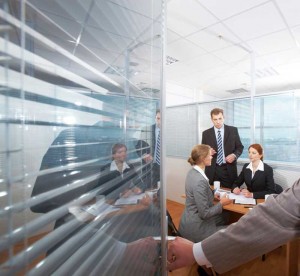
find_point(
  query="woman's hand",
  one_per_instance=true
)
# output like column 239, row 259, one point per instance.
column 236, row 191
column 136, row 190
column 246, row 193
column 217, row 196
column 146, row 200
column 225, row 200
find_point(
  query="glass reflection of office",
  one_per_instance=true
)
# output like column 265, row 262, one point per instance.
column 63, row 111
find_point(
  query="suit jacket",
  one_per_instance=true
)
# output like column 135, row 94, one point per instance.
column 198, row 220
column 112, row 184
column 260, row 185
column 263, row 229
column 232, row 144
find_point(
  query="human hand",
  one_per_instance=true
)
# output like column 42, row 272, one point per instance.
column 136, row 190
column 146, row 200
column 217, row 196
column 230, row 158
column 147, row 158
column 180, row 254
column 236, row 191
column 212, row 151
column 140, row 258
column 225, row 200
column 246, row 193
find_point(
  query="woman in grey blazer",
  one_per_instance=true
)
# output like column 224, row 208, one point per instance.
column 201, row 217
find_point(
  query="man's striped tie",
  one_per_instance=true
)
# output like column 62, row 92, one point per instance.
column 220, row 149
column 157, row 157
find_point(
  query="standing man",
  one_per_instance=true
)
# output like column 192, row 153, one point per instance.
column 149, row 149
column 226, row 149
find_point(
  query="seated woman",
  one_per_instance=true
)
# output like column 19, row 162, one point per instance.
column 201, row 217
column 257, row 175
column 119, row 178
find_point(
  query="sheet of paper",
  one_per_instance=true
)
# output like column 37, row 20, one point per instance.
column 240, row 199
column 129, row 200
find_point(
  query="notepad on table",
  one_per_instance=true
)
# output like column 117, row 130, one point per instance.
column 240, row 199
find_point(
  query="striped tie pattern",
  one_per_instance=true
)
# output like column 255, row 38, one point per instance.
column 220, row 149
column 157, row 157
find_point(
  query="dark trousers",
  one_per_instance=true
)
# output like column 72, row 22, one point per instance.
column 221, row 174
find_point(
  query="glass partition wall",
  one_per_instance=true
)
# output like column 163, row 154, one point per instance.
column 80, row 81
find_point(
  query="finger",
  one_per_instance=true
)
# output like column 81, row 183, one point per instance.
column 172, row 266
column 170, row 254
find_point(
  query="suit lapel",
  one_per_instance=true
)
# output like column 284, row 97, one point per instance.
column 248, row 176
column 213, row 138
column 256, row 175
column 226, row 134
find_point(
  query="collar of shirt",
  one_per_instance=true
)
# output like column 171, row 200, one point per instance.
column 221, row 129
column 197, row 168
column 260, row 166
column 113, row 166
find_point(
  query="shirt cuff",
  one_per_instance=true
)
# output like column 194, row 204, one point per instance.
column 199, row 255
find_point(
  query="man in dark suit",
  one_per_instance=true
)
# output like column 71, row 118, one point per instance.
column 279, row 221
column 226, row 149
column 148, row 147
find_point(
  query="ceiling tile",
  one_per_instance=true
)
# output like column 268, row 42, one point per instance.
column 290, row 10
column 208, row 40
column 204, row 62
column 151, row 9
column 232, row 54
column 274, row 42
column 224, row 9
column 256, row 22
column 172, row 36
column 296, row 33
column 184, row 50
column 186, row 17
column 283, row 57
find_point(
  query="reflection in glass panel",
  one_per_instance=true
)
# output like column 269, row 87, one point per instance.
column 81, row 80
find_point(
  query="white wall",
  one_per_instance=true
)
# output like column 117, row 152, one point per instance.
column 176, row 170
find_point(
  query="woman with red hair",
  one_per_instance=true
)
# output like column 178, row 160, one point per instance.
column 257, row 175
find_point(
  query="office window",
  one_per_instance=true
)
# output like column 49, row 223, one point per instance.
column 276, row 125
column 181, row 130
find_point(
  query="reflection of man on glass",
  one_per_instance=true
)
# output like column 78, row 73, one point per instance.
column 226, row 149
column 149, row 148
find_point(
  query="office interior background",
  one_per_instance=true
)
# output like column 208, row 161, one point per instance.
column 79, row 76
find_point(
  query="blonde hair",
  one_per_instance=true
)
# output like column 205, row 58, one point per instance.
column 199, row 152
